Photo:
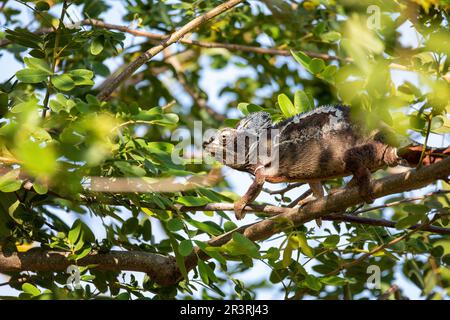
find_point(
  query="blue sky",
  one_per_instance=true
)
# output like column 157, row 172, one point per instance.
column 212, row 82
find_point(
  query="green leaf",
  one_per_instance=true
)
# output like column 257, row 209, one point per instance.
column 272, row 254
column 408, row 221
column 12, row 208
column 31, row 75
column 316, row 65
column 191, row 201
column 9, row 181
column 97, row 45
column 83, row 253
column 179, row 258
column 82, row 77
column 287, row 254
column 30, row 289
column 27, row 106
column 39, row 160
column 430, row 282
column 313, row 283
column 301, row 102
column 175, row 225
column 61, row 103
column 301, row 58
column 24, row 38
column 286, row 106
column 3, row 103
column 185, row 247
column 203, row 271
column 147, row 230
column 446, row 259
column 123, row 296
column 63, row 82
column 75, row 232
column 437, row 251
column 206, row 227
column 42, row 6
column 38, row 64
column 247, row 108
column 419, row 209
column 331, row 241
column 240, row 245
column 213, row 252
column 333, row 281
column 331, row 36
column 303, row 244
column 329, row 73
column 130, row 226
column 229, row 225
column 40, row 188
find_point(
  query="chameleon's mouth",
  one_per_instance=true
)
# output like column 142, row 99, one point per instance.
column 207, row 142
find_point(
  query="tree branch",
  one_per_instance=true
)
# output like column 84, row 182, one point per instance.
column 382, row 223
column 206, row 44
column 179, row 74
column 163, row 269
column 231, row 46
column 336, row 202
column 381, row 247
column 174, row 37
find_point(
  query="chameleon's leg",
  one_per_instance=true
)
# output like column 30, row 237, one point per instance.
column 317, row 190
column 251, row 194
column 317, row 193
column 354, row 162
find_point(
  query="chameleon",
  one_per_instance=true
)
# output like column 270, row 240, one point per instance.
column 324, row 143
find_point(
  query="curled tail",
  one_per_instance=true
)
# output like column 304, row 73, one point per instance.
column 411, row 154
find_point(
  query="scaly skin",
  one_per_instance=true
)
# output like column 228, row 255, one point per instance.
column 310, row 147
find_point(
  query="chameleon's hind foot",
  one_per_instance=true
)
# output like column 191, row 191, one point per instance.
column 307, row 200
column 239, row 209
column 366, row 193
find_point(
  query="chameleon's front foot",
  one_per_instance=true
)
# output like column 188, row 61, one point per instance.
column 239, row 209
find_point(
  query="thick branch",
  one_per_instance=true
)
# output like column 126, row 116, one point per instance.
column 337, row 202
column 174, row 37
column 161, row 269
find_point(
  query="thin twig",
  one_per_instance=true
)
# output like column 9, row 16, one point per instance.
column 179, row 74
column 303, row 196
column 395, row 203
column 110, row 87
column 382, row 247
column 424, row 148
column 231, row 46
column 3, row 5
column 284, row 190
column 206, row 44
column 382, row 223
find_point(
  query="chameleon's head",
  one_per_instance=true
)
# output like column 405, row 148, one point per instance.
column 222, row 146
column 235, row 147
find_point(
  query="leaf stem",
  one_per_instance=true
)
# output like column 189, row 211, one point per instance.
column 422, row 155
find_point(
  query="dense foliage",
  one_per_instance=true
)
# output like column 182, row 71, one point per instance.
column 57, row 137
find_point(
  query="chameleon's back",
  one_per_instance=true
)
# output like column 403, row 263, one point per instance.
column 313, row 145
